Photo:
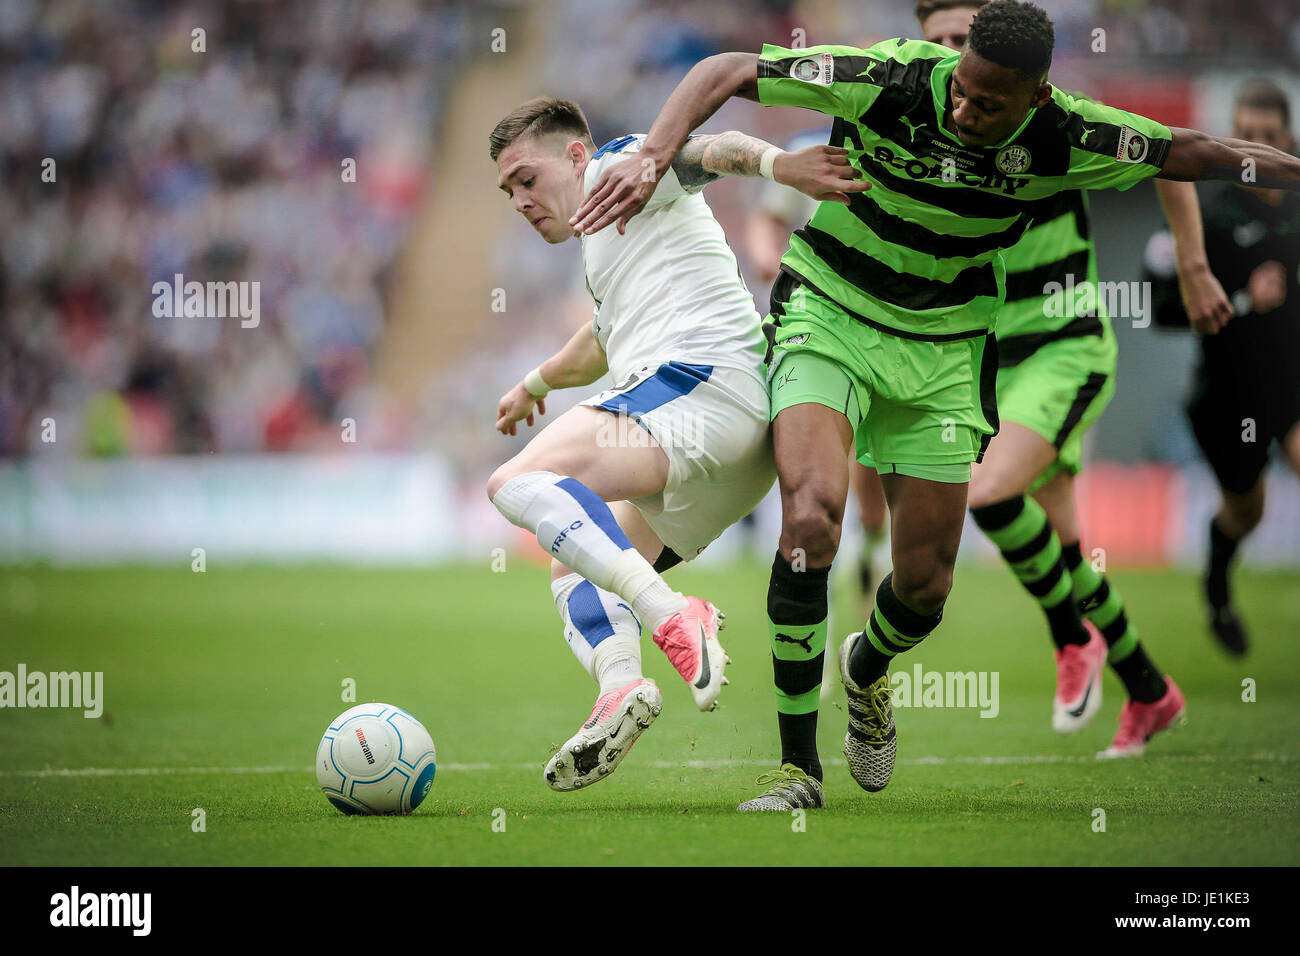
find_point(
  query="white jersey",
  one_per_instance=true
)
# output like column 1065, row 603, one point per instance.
column 669, row 289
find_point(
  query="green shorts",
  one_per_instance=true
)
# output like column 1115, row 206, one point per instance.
column 1058, row 392
column 919, row 408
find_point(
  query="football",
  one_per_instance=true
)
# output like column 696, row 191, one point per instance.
column 376, row 759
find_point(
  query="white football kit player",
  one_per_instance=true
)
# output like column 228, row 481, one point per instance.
column 685, row 346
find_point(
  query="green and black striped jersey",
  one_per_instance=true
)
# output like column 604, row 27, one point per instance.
column 919, row 253
column 1057, row 248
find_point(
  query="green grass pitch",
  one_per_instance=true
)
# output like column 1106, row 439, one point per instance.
column 243, row 668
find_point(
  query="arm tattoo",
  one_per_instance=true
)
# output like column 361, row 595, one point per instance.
column 688, row 164
column 707, row 157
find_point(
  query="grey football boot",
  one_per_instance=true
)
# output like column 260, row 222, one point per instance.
column 871, row 742
column 790, row 789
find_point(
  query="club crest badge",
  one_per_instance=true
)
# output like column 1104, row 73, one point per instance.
column 1012, row 160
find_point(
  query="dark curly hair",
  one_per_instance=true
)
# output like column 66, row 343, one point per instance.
column 1013, row 34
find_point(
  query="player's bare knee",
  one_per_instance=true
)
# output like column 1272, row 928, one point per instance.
column 987, row 487
column 812, row 522
column 812, row 534
column 923, row 587
column 499, row 478
column 511, row 469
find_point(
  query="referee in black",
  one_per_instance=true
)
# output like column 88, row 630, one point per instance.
column 1246, row 390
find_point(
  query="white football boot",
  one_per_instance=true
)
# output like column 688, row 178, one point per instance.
column 600, row 745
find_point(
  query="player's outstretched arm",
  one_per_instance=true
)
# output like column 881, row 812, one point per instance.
column 822, row 172
column 1194, row 156
column 1207, row 306
column 623, row 190
column 580, row 362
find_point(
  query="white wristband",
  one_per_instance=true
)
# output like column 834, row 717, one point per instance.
column 766, row 161
column 535, row 384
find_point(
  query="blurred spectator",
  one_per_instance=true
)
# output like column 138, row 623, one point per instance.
column 220, row 165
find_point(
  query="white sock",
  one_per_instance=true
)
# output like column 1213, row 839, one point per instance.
column 601, row 631
column 576, row 527
column 652, row 599
column 618, row 671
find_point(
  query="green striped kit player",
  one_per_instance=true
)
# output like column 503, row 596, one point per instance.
column 883, row 314
column 1055, row 377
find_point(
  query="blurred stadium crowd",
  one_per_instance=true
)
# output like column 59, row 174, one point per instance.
column 226, row 165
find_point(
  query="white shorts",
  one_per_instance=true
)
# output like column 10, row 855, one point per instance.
column 712, row 423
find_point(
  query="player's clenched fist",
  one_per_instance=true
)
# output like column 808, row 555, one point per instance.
column 1207, row 306
column 822, row 172
column 515, row 405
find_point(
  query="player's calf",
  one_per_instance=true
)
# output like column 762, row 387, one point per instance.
column 600, row 629
column 927, row 518
column 1239, row 515
column 797, row 611
column 576, row 527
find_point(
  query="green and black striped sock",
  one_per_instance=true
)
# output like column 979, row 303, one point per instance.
column 1020, row 529
column 1103, row 605
column 797, row 608
column 892, row 628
